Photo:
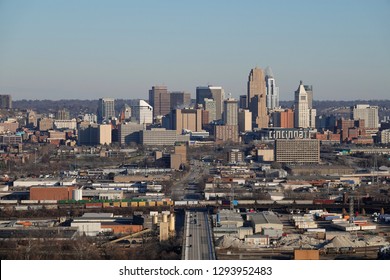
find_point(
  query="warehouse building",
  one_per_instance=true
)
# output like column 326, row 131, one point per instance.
column 264, row 220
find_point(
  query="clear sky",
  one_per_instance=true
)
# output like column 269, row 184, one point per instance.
column 63, row 49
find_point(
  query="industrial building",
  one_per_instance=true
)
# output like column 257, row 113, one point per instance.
column 263, row 220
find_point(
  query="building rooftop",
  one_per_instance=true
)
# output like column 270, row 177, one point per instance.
column 266, row 217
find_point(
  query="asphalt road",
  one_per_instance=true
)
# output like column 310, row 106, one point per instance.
column 198, row 237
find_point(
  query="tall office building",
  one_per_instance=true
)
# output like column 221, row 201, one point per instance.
column 309, row 91
column 243, row 101
column 257, row 97
column 142, row 111
column 272, row 90
column 210, row 106
column 367, row 113
column 5, row 101
column 212, row 92
column 125, row 113
column 160, row 100
column 63, row 114
column 180, row 100
column 129, row 132
column 106, row 109
column 230, row 111
column 302, row 116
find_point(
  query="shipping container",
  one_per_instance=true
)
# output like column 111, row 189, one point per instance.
column 50, row 206
column 134, row 204
column 8, row 202
column 21, row 208
column 106, row 204
column 151, row 203
column 142, row 204
column 160, row 203
column 181, row 203
column 116, row 204
column 124, row 204
column 29, row 201
column 48, row 201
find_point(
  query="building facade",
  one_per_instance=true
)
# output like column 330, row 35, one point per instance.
column 230, row 111
column 297, row 151
column 257, row 100
column 106, row 109
column 212, row 92
column 272, row 90
column 367, row 113
column 160, row 100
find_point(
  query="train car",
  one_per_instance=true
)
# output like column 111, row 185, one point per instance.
column 8, row 202
column 246, row 202
column 323, row 201
column 265, row 202
column 304, row 202
column 181, row 203
column 93, row 205
column 284, row 202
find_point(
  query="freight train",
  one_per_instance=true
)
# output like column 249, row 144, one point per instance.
column 140, row 203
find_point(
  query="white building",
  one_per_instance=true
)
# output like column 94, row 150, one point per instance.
column 304, row 117
column 143, row 112
column 367, row 113
column 272, row 90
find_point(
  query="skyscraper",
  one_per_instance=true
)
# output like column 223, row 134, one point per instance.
column 272, row 90
column 106, row 109
column 180, row 99
column 309, row 91
column 257, row 97
column 243, row 101
column 230, row 111
column 63, row 114
column 211, row 92
column 210, row 106
column 367, row 113
column 5, row 101
column 304, row 116
column 160, row 100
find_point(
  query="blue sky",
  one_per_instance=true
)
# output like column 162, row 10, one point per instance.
column 62, row 49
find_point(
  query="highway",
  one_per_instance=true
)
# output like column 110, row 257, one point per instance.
column 197, row 240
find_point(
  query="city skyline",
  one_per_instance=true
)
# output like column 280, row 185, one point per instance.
column 71, row 50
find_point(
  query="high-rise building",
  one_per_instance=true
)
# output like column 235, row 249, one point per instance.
column 257, row 98
column 211, row 92
column 63, row 114
column 160, row 100
column 186, row 119
column 230, row 111
column 309, row 91
column 104, row 134
column 224, row 133
column 106, row 109
column 243, row 101
column 88, row 135
column 304, row 116
column 367, row 113
column 142, row 112
column 283, row 118
column 5, row 101
column 210, row 106
column 180, row 100
column 244, row 120
column 272, row 90
column 45, row 124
